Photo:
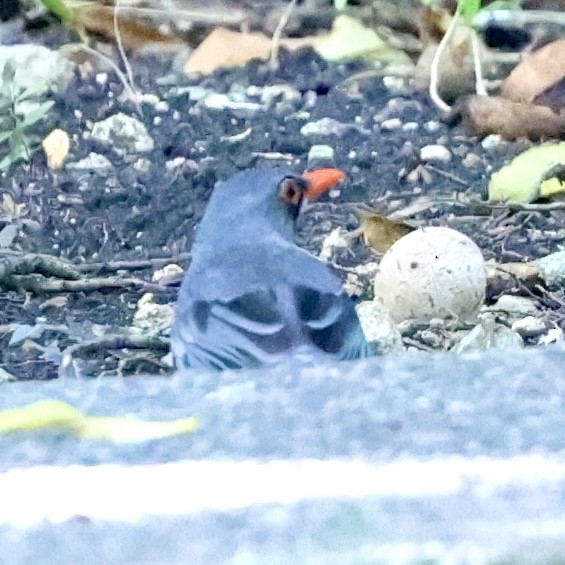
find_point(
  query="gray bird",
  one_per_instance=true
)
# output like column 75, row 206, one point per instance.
column 251, row 297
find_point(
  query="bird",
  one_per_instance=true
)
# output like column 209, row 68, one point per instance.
column 253, row 298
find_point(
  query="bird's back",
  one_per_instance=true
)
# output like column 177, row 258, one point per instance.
column 259, row 304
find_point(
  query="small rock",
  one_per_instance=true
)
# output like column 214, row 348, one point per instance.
column 329, row 126
column 287, row 92
column 410, row 126
column 432, row 126
column 142, row 165
column 552, row 266
column 492, row 141
column 94, row 162
column 530, row 326
column 378, row 326
column 123, row 133
column 515, row 305
column 321, row 155
column 431, row 338
column 486, row 335
column 554, row 335
column 391, row 124
column 153, row 318
column 36, row 67
column 471, row 161
column 336, row 239
column 437, row 153
column 223, row 102
column 168, row 272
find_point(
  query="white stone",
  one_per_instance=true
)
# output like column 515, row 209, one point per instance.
column 515, row 305
column 430, row 273
column 438, row 153
column 36, row 67
column 530, row 326
column 123, row 133
column 391, row 124
column 379, row 327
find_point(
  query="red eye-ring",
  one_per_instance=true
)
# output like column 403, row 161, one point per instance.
column 290, row 192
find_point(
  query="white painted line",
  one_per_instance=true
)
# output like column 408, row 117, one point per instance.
column 130, row 493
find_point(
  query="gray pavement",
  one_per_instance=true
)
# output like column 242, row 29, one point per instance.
column 410, row 459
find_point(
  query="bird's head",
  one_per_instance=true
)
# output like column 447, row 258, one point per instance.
column 263, row 199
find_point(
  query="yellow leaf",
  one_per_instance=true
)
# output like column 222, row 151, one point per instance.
column 43, row 414
column 132, row 430
column 349, row 38
column 379, row 232
column 522, row 179
column 48, row 414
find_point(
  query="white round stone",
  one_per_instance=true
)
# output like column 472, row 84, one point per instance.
column 430, row 273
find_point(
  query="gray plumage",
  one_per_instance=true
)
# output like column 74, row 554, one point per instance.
column 251, row 296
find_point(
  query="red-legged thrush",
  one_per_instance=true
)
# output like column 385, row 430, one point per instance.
column 251, row 297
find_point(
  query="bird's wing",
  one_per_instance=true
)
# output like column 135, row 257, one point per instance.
column 331, row 323
column 256, row 312
column 246, row 331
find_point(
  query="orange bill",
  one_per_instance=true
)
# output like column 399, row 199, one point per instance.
column 321, row 180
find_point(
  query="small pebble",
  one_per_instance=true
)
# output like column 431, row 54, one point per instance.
column 471, row 160
column 491, row 141
column 391, row 124
column 321, row 155
column 437, row 153
column 530, row 326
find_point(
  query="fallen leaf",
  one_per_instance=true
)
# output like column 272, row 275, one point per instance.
column 56, row 147
column 42, row 414
column 96, row 18
column 456, row 68
column 553, row 97
column 56, row 414
column 132, row 430
column 350, row 39
column 485, row 115
column 379, row 232
column 522, row 180
column 536, row 73
column 226, row 48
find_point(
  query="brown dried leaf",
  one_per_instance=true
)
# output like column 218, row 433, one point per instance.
column 226, row 48
column 379, row 232
column 99, row 19
column 537, row 72
column 456, row 72
column 553, row 97
column 485, row 115
column 432, row 24
column 11, row 207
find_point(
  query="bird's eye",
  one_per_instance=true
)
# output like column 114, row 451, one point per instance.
column 291, row 191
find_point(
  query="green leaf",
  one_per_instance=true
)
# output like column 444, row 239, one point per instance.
column 5, row 135
column 29, row 93
column 9, row 72
column 60, row 9
column 18, row 152
column 469, row 9
column 37, row 114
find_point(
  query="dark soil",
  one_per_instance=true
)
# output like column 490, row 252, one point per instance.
column 129, row 214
